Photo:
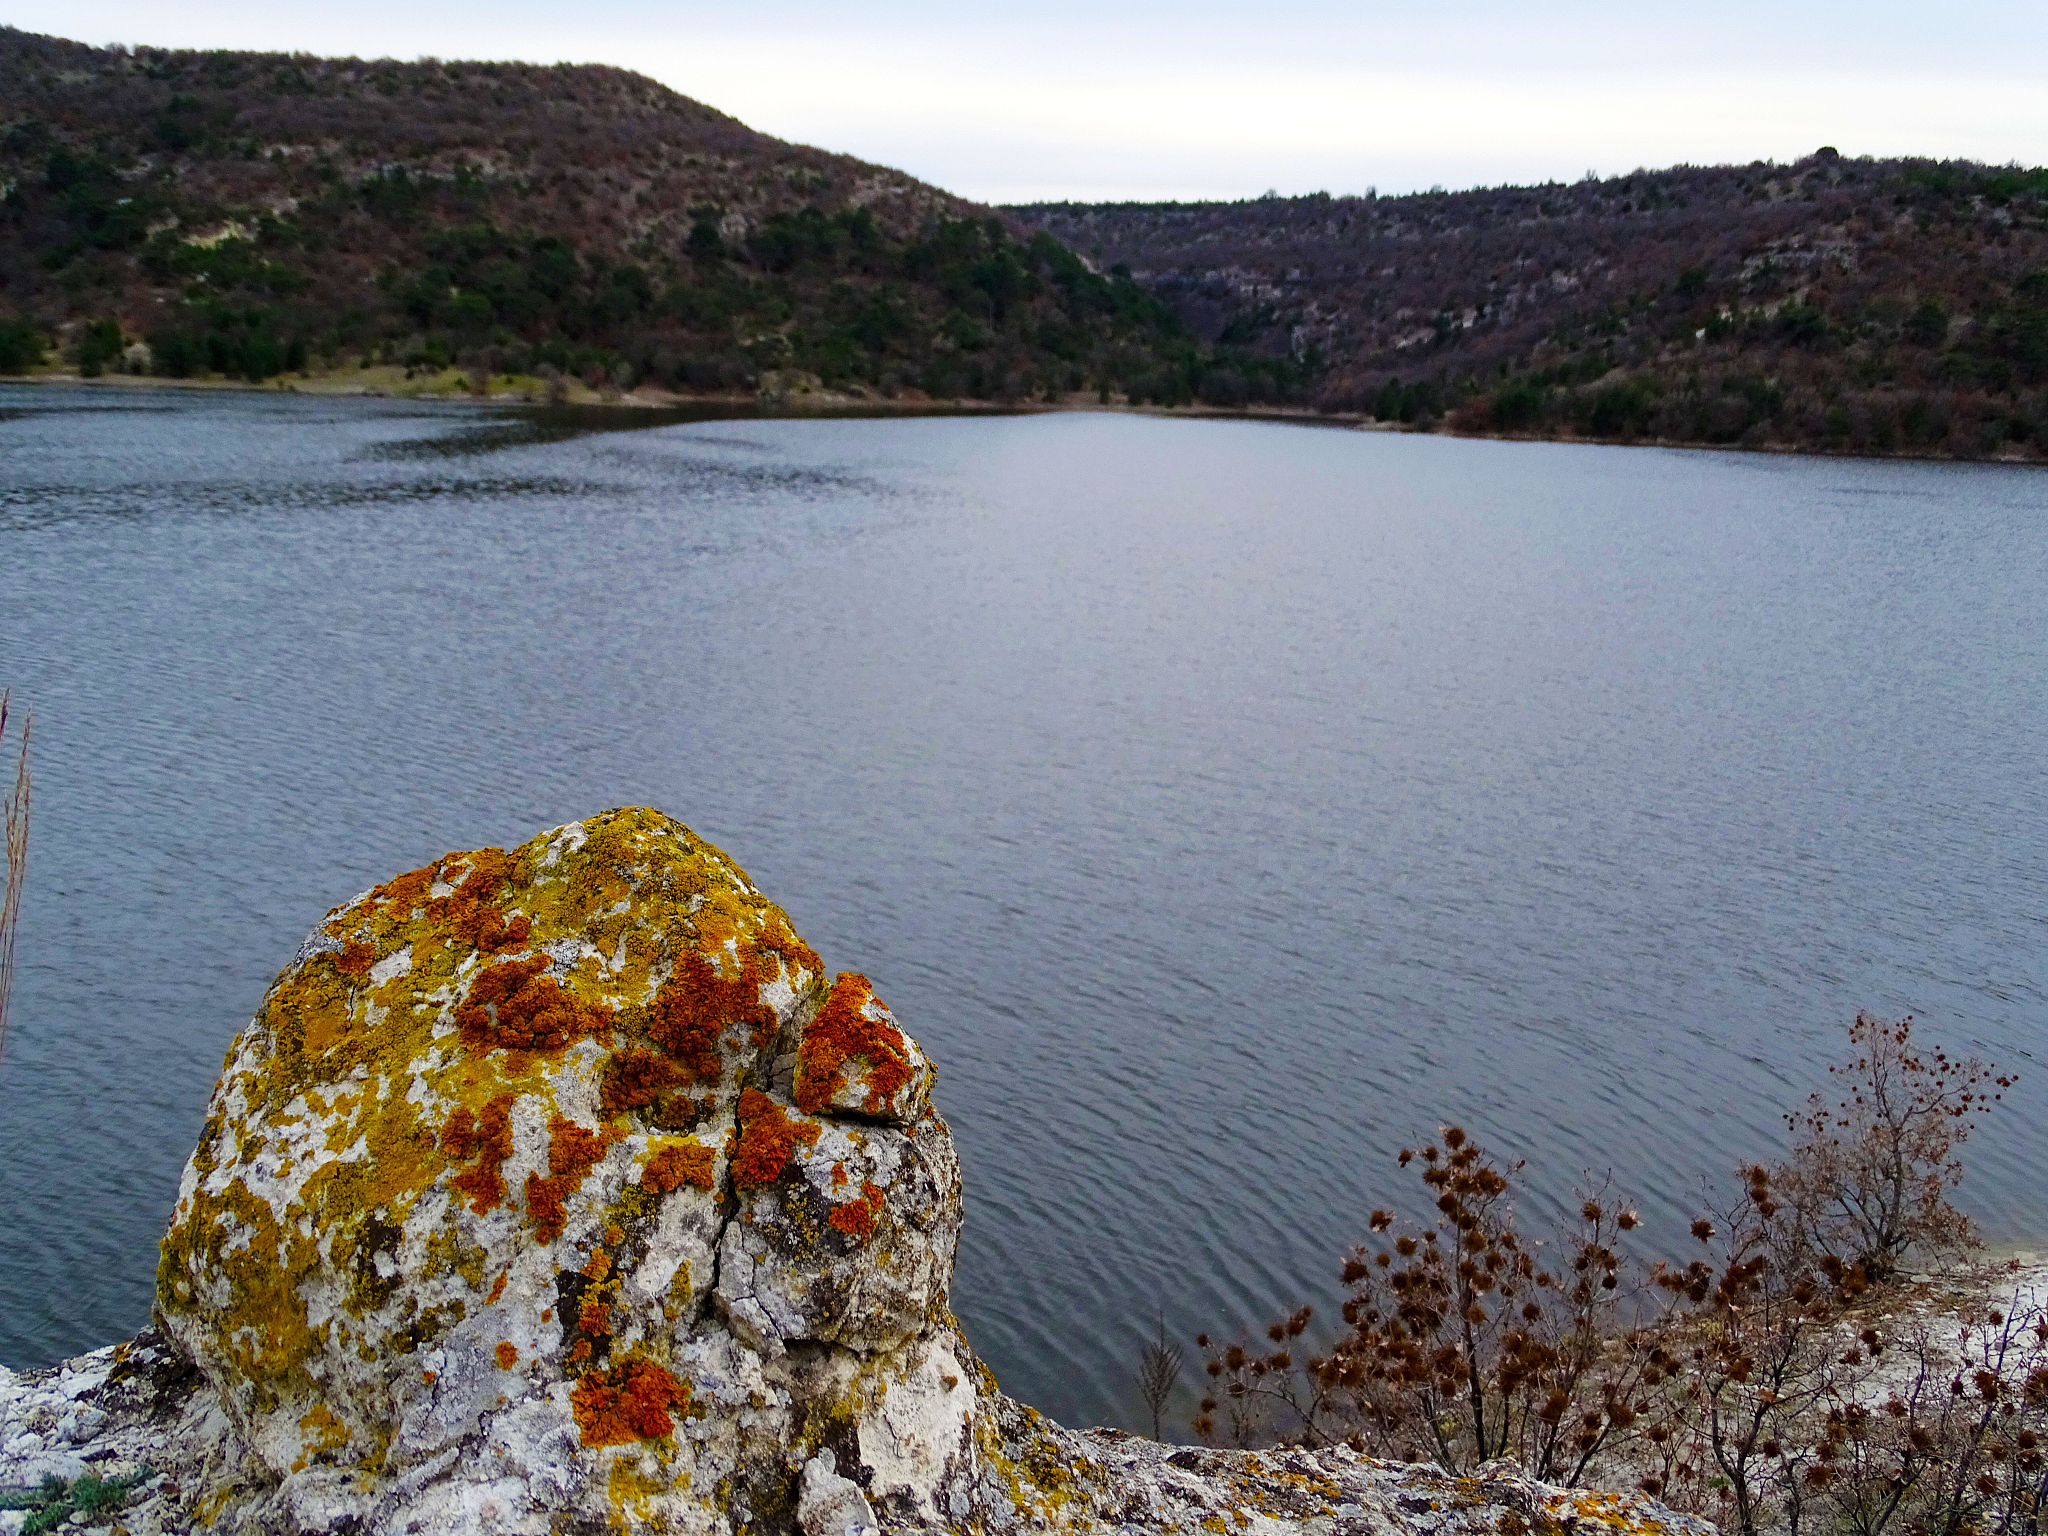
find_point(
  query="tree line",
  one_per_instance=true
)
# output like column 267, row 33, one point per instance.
column 1828, row 304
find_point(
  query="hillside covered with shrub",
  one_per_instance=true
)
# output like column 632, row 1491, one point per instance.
column 247, row 215
column 1855, row 305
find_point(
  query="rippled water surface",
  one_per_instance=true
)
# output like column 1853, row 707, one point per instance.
column 1223, row 804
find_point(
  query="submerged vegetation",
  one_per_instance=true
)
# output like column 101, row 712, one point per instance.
column 1773, row 1383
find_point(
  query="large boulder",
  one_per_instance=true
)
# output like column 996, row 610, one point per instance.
column 560, row 1190
column 563, row 1183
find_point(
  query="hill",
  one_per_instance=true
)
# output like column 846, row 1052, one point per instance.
column 1854, row 305
column 248, row 215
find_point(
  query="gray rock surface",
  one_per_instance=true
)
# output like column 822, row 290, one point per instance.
column 559, row 1191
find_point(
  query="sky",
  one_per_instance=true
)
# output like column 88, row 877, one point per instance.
column 1059, row 99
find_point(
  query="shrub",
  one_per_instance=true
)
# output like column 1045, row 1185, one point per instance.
column 1743, row 1384
column 1460, row 1346
column 1870, row 1172
column 21, row 348
column 14, row 843
column 99, row 343
column 1518, row 406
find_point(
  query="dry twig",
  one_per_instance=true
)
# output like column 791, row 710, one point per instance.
column 17, row 860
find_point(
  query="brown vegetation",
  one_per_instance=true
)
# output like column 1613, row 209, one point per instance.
column 1870, row 1172
column 1773, row 1383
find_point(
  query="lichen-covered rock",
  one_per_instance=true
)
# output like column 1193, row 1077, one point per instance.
column 558, row 1191
column 530, row 1176
column 852, row 1058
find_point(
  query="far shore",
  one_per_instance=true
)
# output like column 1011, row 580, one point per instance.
column 803, row 395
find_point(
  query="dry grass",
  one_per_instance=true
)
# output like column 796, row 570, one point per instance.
column 17, row 859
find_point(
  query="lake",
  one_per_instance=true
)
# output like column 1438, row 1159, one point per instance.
column 1224, row 805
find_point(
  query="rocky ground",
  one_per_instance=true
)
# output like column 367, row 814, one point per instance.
column 138, row 1418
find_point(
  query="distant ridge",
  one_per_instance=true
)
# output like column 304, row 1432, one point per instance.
column 252, row 215
column 580, row 230
column 1857, row 305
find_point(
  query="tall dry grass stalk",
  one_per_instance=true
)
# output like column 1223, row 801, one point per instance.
column 17, row 860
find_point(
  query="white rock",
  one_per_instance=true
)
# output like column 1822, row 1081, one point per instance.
column 830, row 1505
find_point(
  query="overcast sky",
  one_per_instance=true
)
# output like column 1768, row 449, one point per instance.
column 1227, row 98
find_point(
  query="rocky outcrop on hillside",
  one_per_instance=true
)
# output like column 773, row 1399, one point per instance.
column 560, row 1190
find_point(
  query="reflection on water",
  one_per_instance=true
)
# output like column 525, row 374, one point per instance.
column 524, row 426
column 1223, row 805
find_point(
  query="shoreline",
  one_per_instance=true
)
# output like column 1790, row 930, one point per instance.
column 451, row 388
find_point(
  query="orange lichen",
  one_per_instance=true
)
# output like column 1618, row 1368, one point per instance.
column 508, row 1354
column 512, row 1006
column 466, row 909
column 839, row 1175
column 614, row 1233
column 356, row 958
column 489, row 929
column 498, row 1289
column 595, row 1318
column 403, row 892
column 579, row 1352
column 857, row 1217
column 694, row 1006
column 572, row 1153
column 631, row 1401
column 636, row 1078
column 841, row 1033
column 459, row 1138
column 768, row 1139
column 776, row 934
column 491, row 1135
column 679, row 1163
